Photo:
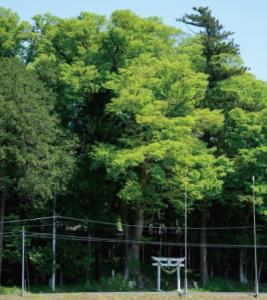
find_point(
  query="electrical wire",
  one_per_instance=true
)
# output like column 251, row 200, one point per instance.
column 129, row 225
column 112, row 240
column 11, row 233
column 155, row 227
column 25, row 220
column 12, row 236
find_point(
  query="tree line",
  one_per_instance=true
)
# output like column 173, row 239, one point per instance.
column 110, row 119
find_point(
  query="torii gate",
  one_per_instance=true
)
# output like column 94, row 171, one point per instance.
column 161, row 262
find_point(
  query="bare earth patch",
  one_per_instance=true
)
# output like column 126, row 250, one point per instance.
column 134, row 296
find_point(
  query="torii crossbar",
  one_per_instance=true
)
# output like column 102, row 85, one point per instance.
column 173, row 262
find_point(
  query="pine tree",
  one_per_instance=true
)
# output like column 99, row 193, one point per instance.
column 221, row 62
column 218, row 48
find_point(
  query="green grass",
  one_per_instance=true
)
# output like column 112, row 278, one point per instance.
column 80, row 292
column 131, row 296
column 9, row 290
column 223, row 285
column 118, row 285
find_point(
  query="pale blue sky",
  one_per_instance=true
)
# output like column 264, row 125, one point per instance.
column 248, row 19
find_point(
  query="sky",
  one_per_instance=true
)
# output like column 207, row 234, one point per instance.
column 248, row 19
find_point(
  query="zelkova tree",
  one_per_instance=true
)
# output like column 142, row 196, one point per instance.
column 13, row 34
column 220, row 62
column 245, row 145
column 75, row 58
column 159, row 139
column 35, row 164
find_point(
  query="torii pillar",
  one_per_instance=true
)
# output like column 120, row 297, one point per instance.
column 168, row 262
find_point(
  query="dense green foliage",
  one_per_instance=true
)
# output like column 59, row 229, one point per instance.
column 112, row 120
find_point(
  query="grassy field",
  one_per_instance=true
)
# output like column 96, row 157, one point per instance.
column 133, row 296
column 216, row 289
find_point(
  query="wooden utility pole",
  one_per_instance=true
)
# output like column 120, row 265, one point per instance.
column 23, row 263
column 185, row 236
column 53, row 278
column 255, row 240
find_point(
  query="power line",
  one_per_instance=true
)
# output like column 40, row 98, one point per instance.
column 10, row 232
column 112, row 240
column 11, row 236
column 154, row 227
column 25, row 220
column 126, row 225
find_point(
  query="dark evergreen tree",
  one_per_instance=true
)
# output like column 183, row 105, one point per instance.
column 221, row 62
column 35, row 163
column 219, row 50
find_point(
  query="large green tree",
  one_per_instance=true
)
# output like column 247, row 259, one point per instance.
column 35, row 164
column 154, row 109
column 113, row 118
column 75, row 58
column 14, row 34
column 220, row 62
column 242, row 98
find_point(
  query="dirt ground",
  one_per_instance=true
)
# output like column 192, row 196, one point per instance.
column 136, row 296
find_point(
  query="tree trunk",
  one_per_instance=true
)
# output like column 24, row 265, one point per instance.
column 89, row 248
column 126, row 245
column 242, row 269
column 138, row 232
column 227, row 270
column 2, row 215
column 133, row 257
column 35, row 278
column 61, row 278
column 203, row 248
column 97, row 262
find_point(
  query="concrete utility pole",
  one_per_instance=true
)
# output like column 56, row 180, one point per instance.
column 185, row 236
column 158, row 277
column 178, row 279
column 53, row 278
column 255, row 240
column 23, row 263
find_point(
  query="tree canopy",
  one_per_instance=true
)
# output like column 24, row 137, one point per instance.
column 113, row 119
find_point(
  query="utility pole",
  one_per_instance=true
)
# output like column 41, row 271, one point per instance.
column 185, row 236
column 255, row 240
column 23, row 263
column 53, row 279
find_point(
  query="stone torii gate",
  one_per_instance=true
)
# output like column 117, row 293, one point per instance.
column 167, row 262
